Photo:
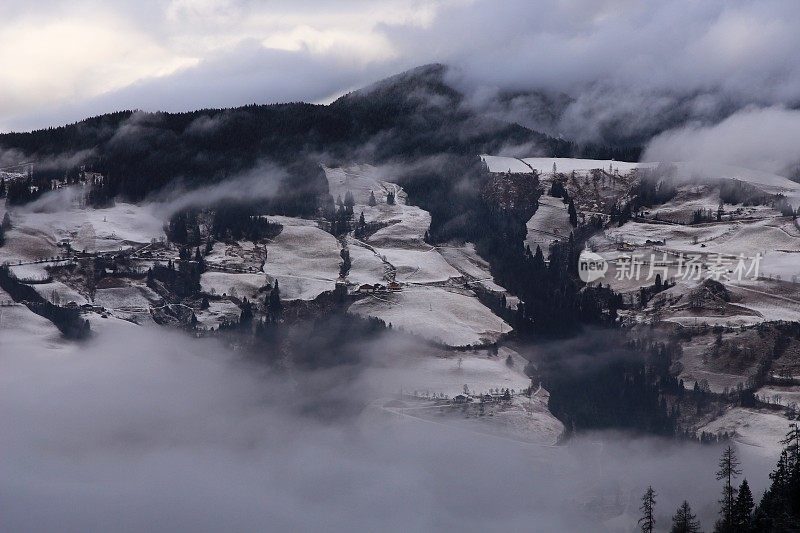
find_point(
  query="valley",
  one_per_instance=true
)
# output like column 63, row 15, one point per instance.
column 444, row 294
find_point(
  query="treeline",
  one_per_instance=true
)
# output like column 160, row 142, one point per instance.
column 654, row 187
column 140, row 153
column 182, row 281
column 67, row 320
column 733, row 191
column 226, row 221
column 778, row 511
column 23, row 191
column 599, row 382
column 101, row 192
column 334, row 339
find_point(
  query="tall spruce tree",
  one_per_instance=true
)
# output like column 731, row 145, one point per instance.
column 573, row 214
column 647, row 522
column 274, row 306
column 743, row 509
column 728, row 471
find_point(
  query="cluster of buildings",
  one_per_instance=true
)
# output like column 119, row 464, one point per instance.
column 368, row 288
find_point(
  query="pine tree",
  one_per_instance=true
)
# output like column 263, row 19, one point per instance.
column 361, row 228
column 349, row 202
column 779, row 508
column 7, row 221
column 372, row 201
column 246, row 317
column 573, row 215
column 728, row 470
column 684, row 521
column 390, row 198
column 274, row 306
column 743, row 508
column 538, row 260
column 344, row 266
column 648, row 522
column 792, row 446
column 2, row 236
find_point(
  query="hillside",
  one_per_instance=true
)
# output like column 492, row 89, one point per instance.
column 411, row 115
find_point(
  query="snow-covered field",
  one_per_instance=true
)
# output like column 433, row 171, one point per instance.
column 407, row 224
column 119, row 298
column 58, row 292
column 549, row 223
column 436, row 314
column 218, row 311
column 238, row 285
column 771, row 300
column 448, row 372
column 776, row 241
column 730, row 238
column 305, row 260
column 473, row 267
column 780, row 395
column 760, row 429
column 779, row 264
column 525, row 419
column 451, row 316
column 19, row 326
column 418, row 266
column 366, row 266
column 34, row 271
column 544, row 165
column 91, row 229
column 243, row 255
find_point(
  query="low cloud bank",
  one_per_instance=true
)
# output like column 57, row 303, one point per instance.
column 144, row 429
column 758, row 138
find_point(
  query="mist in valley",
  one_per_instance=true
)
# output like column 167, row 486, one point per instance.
column 148, row 429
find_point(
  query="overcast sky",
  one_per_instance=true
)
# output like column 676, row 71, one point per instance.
column 62, row 61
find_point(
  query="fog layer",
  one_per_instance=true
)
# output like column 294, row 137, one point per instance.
column 143, row 429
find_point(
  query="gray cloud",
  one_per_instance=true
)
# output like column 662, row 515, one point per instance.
column 628, row 69
column 761, row 139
